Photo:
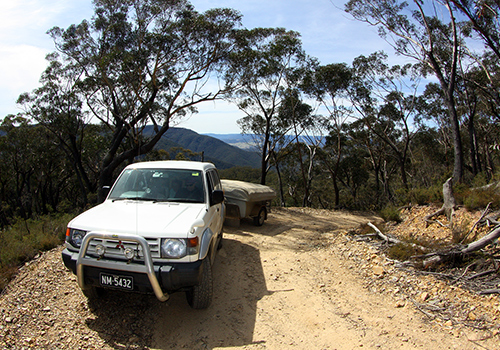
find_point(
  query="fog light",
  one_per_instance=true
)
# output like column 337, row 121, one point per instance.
column 100, row 250
column 129, row 253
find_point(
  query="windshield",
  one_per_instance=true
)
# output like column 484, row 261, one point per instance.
column 168, row 185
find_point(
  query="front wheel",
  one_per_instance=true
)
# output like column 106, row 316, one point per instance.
column 200, row 296
column 93, row 293
column 261, row 217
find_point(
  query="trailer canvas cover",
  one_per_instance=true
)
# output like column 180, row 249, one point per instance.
column 246, row 191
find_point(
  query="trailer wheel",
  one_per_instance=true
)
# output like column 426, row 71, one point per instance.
column 261, row 217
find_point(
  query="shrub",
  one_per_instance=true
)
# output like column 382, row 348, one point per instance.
column 420, row 196
column 479, row 198
column 26, row 238
column 402, row 251
column 390, row 213
column 460, row 230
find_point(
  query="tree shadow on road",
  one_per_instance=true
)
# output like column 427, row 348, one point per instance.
column 127, row 320
column 121, row 319
column 239, row 283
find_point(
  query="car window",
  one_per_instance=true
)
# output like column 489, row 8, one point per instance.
column 215, row 180
column 179, row 185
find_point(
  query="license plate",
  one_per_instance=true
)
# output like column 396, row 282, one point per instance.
column 115, row 281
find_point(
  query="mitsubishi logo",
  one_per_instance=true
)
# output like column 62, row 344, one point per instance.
column 120, row 245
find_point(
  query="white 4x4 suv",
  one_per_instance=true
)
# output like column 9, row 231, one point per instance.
column 157, row 231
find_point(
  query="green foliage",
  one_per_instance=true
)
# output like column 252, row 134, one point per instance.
column 391, row 213
column 402, row 251
column 479, row 198
column 244, row 173
column 420, row 196
column 459, row 231
column 26, row 238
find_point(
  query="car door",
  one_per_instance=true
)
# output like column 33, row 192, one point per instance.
column 217, row 210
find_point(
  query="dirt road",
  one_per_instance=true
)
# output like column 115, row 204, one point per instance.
column 294, row 283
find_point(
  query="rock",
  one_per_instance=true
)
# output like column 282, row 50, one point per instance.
column 399, row 304
column 424, row 296
column 133, row 339
column 378, row 270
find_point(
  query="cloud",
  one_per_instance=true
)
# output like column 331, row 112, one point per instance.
column 20, row 69
column 327, row 34
column 24, row 42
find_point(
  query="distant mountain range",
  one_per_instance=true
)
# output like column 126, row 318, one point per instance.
column 217, row 148
column 238, row 140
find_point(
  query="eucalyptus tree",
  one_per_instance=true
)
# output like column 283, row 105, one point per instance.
column 483, row 19
column 478, row 97
column 32, row 175
column 262, row 66
column 427, row 34
column 145, row 62
column 329, row 85
column 387, row 106
column 58, row 106
column 296, row 116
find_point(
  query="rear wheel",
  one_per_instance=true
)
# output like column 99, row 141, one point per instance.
column 200, row 296
column 261, row 217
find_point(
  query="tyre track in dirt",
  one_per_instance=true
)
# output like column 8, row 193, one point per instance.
column 285, row 285
column 290, row 284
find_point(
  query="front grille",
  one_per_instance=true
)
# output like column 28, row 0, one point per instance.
column 115, row 248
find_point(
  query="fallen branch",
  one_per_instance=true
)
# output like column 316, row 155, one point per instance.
column 489, row 291
column 492, row 219
column 436, row 258
column 382, row 236
column 420, row 308
column 481, row 274
column 483, row 242
column 465, row 271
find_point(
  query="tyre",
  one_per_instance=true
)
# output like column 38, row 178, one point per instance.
column 220, row 244
column 93, row 293
column 200, row 296
column 261, row 217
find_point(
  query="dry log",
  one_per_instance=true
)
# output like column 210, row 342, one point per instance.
column 483, row 242
column 436, row 258
column 433, row 260
column 481, row 274
column 491, row 219
column 394, row 240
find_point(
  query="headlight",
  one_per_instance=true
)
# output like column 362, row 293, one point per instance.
column 173, row 248
column 75, row 237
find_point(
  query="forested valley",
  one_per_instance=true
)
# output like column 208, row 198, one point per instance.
column 360, row 135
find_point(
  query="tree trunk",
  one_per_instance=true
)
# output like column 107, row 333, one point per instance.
column 449, row 203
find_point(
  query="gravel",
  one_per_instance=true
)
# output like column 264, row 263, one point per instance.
column 44, row 308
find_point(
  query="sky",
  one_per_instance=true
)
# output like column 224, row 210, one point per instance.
column 327, row 33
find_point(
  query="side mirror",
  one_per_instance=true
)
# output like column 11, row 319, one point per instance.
column 105, row 191
column 217, row 197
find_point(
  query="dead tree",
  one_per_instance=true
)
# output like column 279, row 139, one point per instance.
column 449, row 204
